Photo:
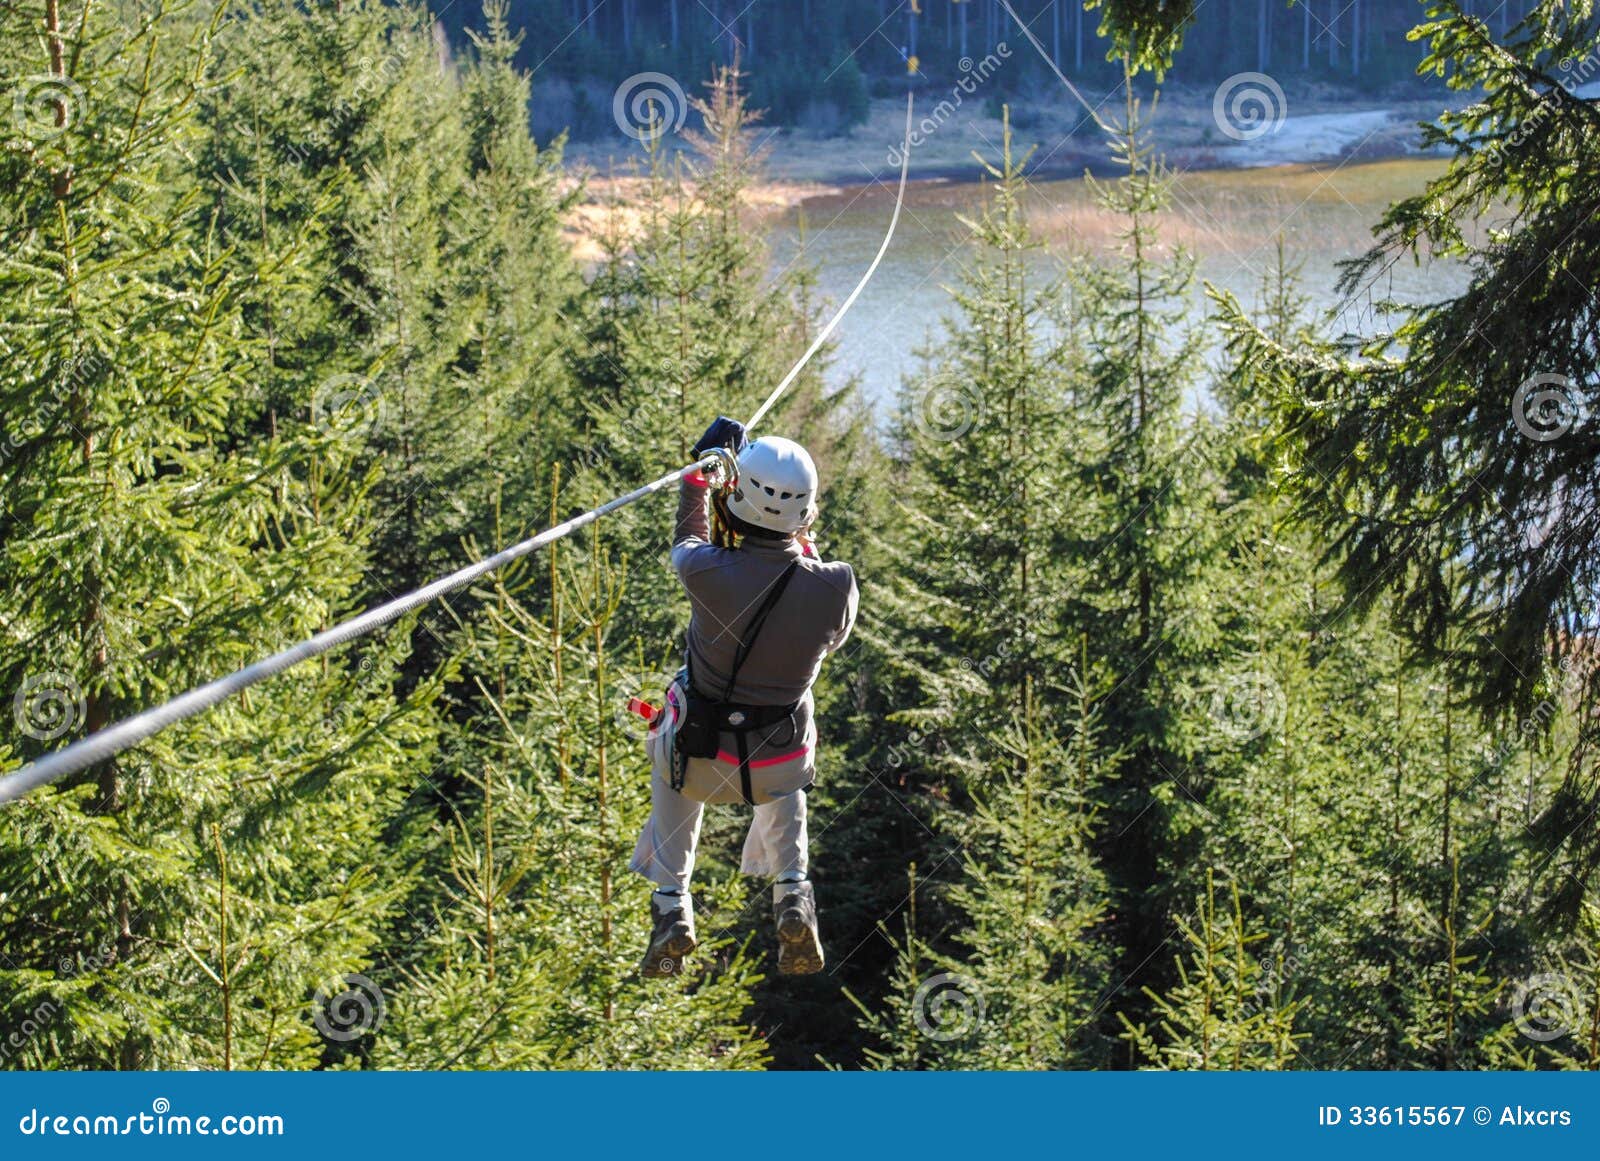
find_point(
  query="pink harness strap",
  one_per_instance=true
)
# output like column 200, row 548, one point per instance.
column 733, row 759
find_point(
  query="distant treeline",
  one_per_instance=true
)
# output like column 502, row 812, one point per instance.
column 814, row 63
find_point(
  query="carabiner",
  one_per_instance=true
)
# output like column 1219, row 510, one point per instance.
column 720, row 468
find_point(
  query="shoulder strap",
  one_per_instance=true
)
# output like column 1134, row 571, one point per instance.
column 756, row 622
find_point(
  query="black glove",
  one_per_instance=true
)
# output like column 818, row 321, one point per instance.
column 723, row 432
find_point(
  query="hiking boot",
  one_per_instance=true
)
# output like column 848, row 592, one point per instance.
column 799, row 946
column 671, row 936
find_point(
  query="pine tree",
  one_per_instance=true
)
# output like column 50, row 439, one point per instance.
column 1144, row 545
column 144, row 554
column 508, row 394
column 1224, row 1011
column 980, row 661
column 1426, row 453
column 1353, row 817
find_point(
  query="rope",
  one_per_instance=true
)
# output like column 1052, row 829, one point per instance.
column 107, row 743
column 822, row 336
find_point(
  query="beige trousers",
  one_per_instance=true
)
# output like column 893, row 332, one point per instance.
column 776, row 842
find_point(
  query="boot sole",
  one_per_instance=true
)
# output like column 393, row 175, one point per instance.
column 667, row 960
column 799, row 949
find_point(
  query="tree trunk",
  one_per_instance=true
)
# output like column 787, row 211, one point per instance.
column 1263, row 22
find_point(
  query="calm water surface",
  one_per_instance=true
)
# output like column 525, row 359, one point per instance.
column 1229, row 219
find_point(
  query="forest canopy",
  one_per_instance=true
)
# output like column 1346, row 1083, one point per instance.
column 1254, row 733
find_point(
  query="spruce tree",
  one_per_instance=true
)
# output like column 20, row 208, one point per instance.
column 146, row 552
column 1144, row 545
column 1447, row 458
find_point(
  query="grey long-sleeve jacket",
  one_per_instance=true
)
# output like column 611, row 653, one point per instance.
column 812, row 619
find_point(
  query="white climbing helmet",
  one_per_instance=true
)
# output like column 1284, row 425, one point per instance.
column 777, row 486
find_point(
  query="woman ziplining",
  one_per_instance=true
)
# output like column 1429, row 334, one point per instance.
column 737, row 724
column 106, row 743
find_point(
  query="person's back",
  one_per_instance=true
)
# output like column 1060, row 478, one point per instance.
column 764, row 614
column 726, row 585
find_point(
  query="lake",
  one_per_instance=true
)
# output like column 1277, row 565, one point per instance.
column 1229, row 220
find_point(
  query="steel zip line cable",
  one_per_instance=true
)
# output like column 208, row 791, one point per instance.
column 1094, row 114
column 112, row 740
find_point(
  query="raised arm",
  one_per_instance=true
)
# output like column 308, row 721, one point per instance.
column 693, row 530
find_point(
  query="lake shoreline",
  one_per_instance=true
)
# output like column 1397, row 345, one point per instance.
column 1188, row 129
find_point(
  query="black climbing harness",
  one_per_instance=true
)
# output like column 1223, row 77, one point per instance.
column 704, row 721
